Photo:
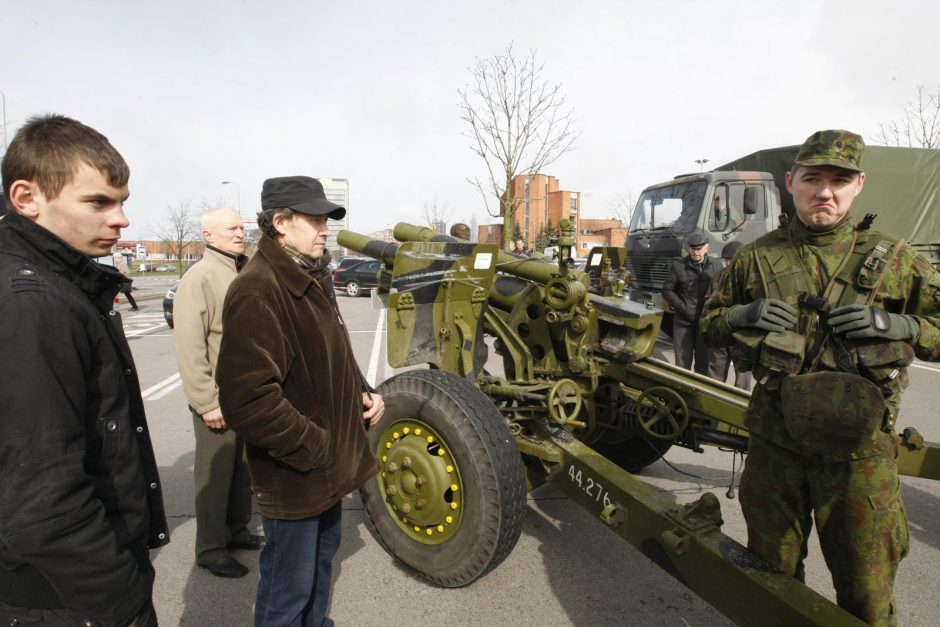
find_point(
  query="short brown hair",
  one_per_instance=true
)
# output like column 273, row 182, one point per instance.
column 266, row 220
column 49, row 149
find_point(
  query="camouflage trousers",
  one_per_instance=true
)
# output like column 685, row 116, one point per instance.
column 859, row 516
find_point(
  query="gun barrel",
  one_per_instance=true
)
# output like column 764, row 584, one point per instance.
column 375, row 248
column 536, row 270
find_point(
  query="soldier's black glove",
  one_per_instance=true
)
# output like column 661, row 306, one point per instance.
column 864, row 321
column 768, row 314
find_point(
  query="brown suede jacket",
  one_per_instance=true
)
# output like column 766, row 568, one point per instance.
column 289, row 384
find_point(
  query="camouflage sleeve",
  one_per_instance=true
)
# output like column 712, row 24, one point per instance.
column 919, row 285
column 731, row 287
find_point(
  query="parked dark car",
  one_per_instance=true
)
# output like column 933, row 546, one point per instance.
column 344, row 262
column 357, row 278
column 168, row 305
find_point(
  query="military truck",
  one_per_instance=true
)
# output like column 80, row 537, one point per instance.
column 745, row 198
column 539, row 372
column 725, row 205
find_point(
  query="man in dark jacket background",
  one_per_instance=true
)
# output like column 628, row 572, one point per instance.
column 291, row 387
column 684, row 289
column 80, row 499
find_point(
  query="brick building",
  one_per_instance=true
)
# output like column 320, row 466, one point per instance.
column 540, row 203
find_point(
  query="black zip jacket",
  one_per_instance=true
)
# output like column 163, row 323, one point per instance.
column 80, row 498
column 685, row 287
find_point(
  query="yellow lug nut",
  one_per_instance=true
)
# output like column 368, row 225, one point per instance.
column 417, row 431
column 453, row 506
column 388, row 445
column 450, row 469
column 395, row 435
column 440, row 452
column 430, row 439
column 454, row 487
column 440, row 528
column 406, row 430
column 417, row 528
column 385, row 459
column 448, row 519
column 429, row 531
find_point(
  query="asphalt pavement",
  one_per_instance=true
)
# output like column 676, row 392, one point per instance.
column 567, row 569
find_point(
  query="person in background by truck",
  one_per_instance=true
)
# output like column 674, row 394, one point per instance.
column 726, row 356
column 684, row 289
column 831, row 314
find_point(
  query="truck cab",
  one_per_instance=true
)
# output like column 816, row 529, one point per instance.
column 726, row 206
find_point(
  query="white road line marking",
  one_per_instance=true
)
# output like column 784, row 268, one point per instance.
column 144, row 330
column 156, row 388
column 925, row 367
column 376, row 350
column 165, row 391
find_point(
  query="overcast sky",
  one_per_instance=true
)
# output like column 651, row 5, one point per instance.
column 193, row 93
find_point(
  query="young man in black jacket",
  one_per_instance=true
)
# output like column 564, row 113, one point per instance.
column 80, row 499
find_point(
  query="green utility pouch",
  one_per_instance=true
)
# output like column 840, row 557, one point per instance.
column 832, row 414
column 770, row 355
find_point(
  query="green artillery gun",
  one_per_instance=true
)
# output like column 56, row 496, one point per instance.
column 579, row 403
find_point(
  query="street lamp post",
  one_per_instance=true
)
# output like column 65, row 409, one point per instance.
column 238, row 194
column 701, row 164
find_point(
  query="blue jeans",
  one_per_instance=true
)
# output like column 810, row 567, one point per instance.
column 296, row 569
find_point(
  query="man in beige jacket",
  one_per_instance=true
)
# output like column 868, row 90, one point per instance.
column 223, row 491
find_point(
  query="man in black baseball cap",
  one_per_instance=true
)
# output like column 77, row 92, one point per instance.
column 289, row 385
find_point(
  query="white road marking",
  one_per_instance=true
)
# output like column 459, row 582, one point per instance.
column 144, row 330
column 155, row 389
column 376, row 351
column 924, row 367
column 165, row 391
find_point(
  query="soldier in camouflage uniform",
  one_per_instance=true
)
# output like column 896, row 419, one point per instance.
column 830, row 314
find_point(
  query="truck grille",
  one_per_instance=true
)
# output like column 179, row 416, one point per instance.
column 647, row 271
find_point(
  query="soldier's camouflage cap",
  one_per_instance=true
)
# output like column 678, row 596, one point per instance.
column 842, row 149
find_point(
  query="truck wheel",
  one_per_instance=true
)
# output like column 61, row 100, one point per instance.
column 450, row 497
column 352, row 289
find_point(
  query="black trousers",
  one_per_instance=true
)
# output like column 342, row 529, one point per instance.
column 21, row 616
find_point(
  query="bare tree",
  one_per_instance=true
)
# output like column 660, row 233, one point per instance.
column 920, row 125
column 179, row 231
column 622, row 207
column 518, row 123
column 435, row 214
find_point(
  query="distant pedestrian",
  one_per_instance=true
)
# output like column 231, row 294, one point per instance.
column 289, row 384
column 684, row 289
column 726, row 356
column 80, row 498
column 220, row 472
column 460, row 230
column 127, row 285
column 519, row 248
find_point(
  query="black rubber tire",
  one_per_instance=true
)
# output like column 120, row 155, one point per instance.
column 490, row 467
column 632, row 453
column 169, row 321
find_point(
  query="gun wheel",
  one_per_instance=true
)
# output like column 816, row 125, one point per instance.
column 450, row 496
column 669, row 417
column 564, row 401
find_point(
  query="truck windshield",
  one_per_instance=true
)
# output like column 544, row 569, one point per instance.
column 673, row 207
